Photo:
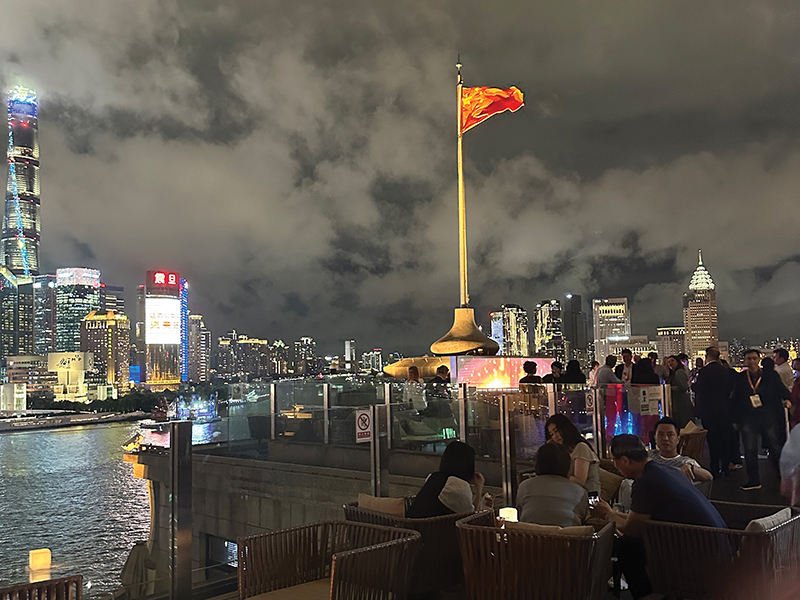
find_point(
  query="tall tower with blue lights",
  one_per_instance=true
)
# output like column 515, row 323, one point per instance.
column 184, row 352
column 19, row 246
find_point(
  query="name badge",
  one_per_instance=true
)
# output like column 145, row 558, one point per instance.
column 755, row 400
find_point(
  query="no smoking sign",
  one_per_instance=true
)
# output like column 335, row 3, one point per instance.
column 363, row 426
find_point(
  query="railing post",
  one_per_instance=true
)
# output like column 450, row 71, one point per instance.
column 180, row 450
column 326, row 405
column 379, row 455
column 598, row 396
column 273, row 403
column 508, row 455
column 666, row 402
column 387, row 399
column 463, row 412
column 551, row 398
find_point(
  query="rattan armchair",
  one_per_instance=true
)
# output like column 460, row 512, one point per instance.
column 521, row 565
column 438, row 566
column 693, row 445
column 362, row 562
column 726, row 564
column 65, row 588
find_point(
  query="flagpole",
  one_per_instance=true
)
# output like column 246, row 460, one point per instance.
column 462, row 208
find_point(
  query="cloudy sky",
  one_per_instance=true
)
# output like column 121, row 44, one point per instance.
column 296, row 161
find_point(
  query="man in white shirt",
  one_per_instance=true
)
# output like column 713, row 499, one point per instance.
column 666, row 452
column 782, row 367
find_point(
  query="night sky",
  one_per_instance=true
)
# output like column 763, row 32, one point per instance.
column 296, row 161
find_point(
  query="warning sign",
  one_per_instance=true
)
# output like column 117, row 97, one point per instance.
column 363, row 426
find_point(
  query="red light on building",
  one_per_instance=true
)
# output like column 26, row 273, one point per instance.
column 160, row 278
column 172, row 278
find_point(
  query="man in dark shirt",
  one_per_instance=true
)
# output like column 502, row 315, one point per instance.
column 554, row 376
column 659, row 493
column 712, row 395
column 530, row 373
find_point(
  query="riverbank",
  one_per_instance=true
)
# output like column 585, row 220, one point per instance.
column 36, row 420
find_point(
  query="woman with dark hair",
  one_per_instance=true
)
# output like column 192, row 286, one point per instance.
column 573, row 373
column 551, row 498
column 447, row 491
column 644, row 373
column 585, row 464
column 678, row 379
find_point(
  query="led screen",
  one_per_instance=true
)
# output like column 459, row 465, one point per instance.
column 494, row 372
column 163, row 324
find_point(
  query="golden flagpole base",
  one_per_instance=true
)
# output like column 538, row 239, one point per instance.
column 464, row 337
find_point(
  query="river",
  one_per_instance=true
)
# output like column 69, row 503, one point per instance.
column 68, row 490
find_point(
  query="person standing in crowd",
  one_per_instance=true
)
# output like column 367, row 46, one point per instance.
column 593, row 373
column 667, row 437
column 530, row 373
column 712, row 394
column 757, row 400
column 643, row 373
column 796, row 368
column 682, row 410
column 554, row 376
column 551, row 498
column 624, row 370
column 698, row 364
column 794, row 410
column 659, row 493
column 661, row 370
column 585, row 465
column 573, row 373
column 413, row 389
column 605, row 374
column 782, row 367
column 684, row 360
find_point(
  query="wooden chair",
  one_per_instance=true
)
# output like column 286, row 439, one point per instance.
column 438, row 566
column 332, row 559
column 693, row 445
column 726, row 564
column 520, row 565
column 65, row 588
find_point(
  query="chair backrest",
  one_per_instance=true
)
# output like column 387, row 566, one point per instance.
column 65, row 588
column 525, row 565
column 693, row 444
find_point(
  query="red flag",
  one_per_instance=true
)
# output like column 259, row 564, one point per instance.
column 480, row 103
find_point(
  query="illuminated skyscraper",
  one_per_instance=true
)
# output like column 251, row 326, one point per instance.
column 199, row 349
column 184, row 353
column 279, row 358
column 108, row 337
column 111, row 298
column 549, row 331
column 700, row 312
column 510, row 325
column 44, row 311
column 305, row 357
column 350, row 362
column 612, row 324
column 162, row 330
column 575, row 330
column 77, row 294
column 670, row 341
column 19, row 247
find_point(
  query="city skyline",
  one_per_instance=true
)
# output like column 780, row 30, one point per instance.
column 336, row 168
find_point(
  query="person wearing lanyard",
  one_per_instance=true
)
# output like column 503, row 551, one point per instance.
column 757, row 402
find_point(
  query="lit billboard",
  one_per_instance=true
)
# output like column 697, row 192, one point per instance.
column 78, row 276
column 163, row 321
column 494, row 372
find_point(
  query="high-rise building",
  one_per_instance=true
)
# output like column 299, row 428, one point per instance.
column 510, row 324
column 19, row 247
column 279, row 358
column 77, row 294
column 108, row 337
column 111, row 298
column 575, row 328
column 184, row 352
column 350, row 361
column 199, row 349
column 700, row 312
column 253, row 357
column 372, row 361
column 30, row 370
column 25, row 316
column 226, row 354
column 549, row 332
column 612, row 324
column 670, row 341
column 44, row 314
column 9, row 313
column 162, row 325
column 304, row 360
column 639, row 345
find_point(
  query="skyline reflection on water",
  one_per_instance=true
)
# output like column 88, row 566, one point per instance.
column 69, row 490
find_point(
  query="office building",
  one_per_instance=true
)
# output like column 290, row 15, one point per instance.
column 226, row 354
column 162, row 330
column 19, row 246
column 13, row 397
column 670, row 341
column 639, row 345
column 349, row 359
column 612, row 324
column 549, row 332
column 77, row 294
column 253, row 357
column 509, row 328
column 279, row 358
column 108, row 337
column 199, row 350
column 70, row 369
column 700, row 312
column 575, row 329
column 31, row 370
column 304, row 359
column 16, row 314
column 372, row 361
column 111, row 298
column 44, row 311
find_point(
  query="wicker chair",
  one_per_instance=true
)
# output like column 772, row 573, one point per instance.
column 726, row 564
column 66, row 588
column 529, row 566
column 693, row 445
column 332, row 559
column 438, row 566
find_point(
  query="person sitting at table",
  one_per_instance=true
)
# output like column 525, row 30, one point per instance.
column 659, row 494
column 447, row 491
column 585, row 464
column 666, row 452
column 551, row 498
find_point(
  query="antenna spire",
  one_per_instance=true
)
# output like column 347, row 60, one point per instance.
column 700, row 258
